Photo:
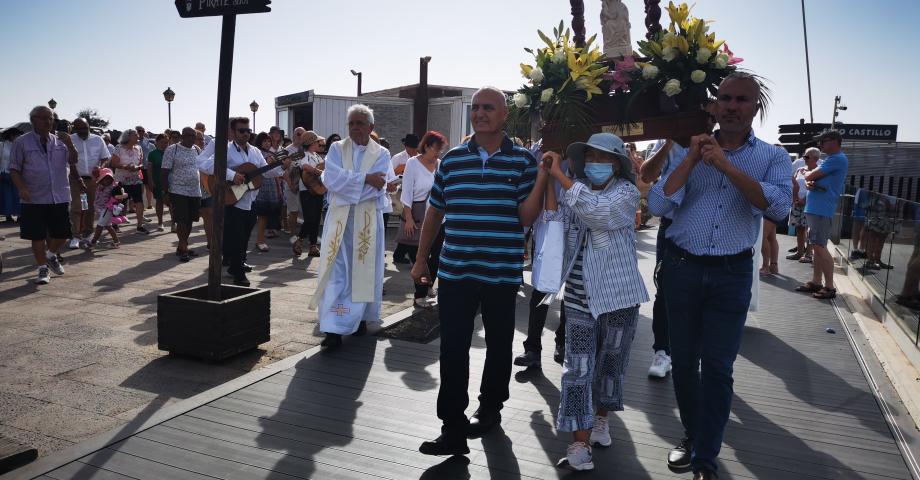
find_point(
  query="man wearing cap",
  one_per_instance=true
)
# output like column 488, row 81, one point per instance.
column 92, row 154
column 487, row 190
column 825, row 184
column 42, row 167
column 311, row 204
column 720, row 193
column 200, row 128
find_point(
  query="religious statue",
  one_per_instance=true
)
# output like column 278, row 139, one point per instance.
column 615, row 27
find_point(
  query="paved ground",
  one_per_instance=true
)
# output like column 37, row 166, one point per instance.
column 803, row 410
column 79, row 356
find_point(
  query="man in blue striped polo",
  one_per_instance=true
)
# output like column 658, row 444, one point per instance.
column 720, row 193
column 488, row 190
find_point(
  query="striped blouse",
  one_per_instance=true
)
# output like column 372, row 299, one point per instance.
column 603, row 221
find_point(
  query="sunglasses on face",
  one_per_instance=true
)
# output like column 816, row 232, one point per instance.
column 243, row 130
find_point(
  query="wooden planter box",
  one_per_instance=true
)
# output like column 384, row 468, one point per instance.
column 189, row 324
column 647, row 121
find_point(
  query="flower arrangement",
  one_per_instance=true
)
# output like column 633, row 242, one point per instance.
column 562, row 79
column 686, row 58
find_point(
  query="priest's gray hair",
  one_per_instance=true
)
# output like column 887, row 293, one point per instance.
column 491, row 89
column 363, row 110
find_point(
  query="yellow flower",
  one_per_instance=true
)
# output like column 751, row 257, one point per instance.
column 679, row 14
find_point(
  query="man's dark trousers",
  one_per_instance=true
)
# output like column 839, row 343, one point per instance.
column 659, row 312
column 537, row 321
column 238, row 225
column 707, row 306
column 458, row 302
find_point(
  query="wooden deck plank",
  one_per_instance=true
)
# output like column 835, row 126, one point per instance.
column 82, row 471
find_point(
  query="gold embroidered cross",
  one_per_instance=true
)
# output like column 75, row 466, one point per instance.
column 340, row 310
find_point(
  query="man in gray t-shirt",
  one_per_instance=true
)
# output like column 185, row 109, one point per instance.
column 180, row 178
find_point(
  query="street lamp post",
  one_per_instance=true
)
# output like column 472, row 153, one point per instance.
column 837, row 108
column 169, row 95
column 52, row 104
column 357, row 74
column 255, row 108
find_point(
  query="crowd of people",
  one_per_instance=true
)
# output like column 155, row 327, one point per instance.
column 464, row 212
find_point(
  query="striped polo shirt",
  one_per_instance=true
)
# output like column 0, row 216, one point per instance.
column 483, row 235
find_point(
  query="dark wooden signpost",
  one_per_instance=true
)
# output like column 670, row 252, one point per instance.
column 216, row 321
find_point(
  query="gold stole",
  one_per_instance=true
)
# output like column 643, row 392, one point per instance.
column 364, row 241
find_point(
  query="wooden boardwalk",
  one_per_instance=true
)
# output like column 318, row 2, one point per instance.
column 803, row 410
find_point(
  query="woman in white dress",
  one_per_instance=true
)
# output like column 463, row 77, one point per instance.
column 128, row 161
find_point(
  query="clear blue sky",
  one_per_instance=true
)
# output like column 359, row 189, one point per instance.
column 119, row 56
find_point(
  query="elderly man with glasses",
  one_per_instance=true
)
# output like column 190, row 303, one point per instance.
column 92, row 154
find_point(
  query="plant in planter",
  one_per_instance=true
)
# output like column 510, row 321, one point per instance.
column 682, row 65
column 560, row 83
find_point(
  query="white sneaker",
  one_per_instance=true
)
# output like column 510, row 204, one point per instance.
column 600, row 434
column 44, row 276
column 577, row 457
column 294, row 239
column 74, row 243
column 661, row 365
column 55, row 264
column 421, row 303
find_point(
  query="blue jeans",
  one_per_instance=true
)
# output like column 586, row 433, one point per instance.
column 707, row 305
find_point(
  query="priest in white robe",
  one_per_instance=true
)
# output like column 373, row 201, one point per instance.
column 350, row 287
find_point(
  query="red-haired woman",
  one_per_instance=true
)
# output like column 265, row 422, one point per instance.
column 418, row 178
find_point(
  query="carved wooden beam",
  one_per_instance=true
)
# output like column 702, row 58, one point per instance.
column 578, row 21
column 652, row 18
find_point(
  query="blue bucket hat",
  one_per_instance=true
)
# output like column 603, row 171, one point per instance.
column 605, row 142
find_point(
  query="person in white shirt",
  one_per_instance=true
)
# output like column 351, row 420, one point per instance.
column 801, row 167
column 399, row 161
column 199, row 127
column 410, row 141
column 311, row 204
column 92, row 155
column 418, row 177
column 9, row 196
column 238, row 218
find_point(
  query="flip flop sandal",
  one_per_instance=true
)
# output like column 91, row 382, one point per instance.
column 297, row 247
column 809, row 287
column 314, row 251
column 825, row 294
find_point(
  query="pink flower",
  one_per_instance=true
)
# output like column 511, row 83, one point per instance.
column 618, row 79
column 732, row 59
column 627, row 64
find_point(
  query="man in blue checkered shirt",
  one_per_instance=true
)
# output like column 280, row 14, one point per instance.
column 719, row 193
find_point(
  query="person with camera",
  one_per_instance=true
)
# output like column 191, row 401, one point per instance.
column 42, row 166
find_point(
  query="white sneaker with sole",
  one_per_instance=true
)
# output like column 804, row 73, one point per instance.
column 600, row 434
column 661, row 365
column 44, row 276
column 577, row 457
column 74, row 243
column 55, row 264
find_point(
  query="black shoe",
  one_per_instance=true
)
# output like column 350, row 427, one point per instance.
column 559, row 354
column 528, row 359
column 481, row 422
column 679, row 456
column 247, row 267
column 225, row 262
column 793, row 249
column 361, row 331
column 704, row 475
column 402, row 260
column 240, row 280
column 184, row 257
column 331, row 342
column 444, row 446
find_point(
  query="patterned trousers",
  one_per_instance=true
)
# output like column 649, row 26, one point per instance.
column 596, row 357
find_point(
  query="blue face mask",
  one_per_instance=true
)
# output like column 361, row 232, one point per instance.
column 598, row 173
